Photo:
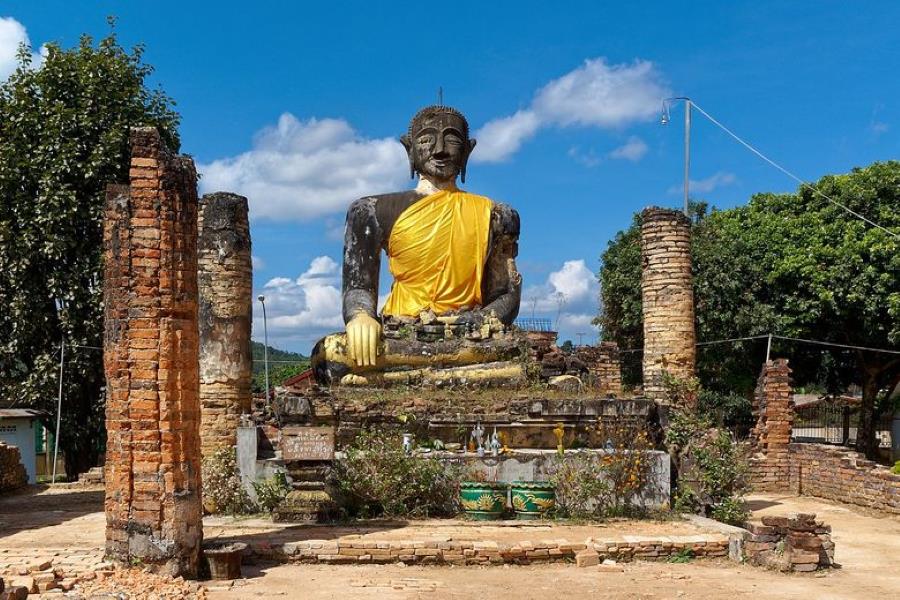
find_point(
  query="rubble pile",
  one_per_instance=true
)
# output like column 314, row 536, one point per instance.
column 41, row 580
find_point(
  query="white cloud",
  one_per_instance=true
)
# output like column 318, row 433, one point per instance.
column 12, row 35
column 302, row 310
column 878, row 127
column 705, row 186
column 502, row 137
column 258, row 263
column 588, row 159
column 634, row 150
column 572, row 293
column 596, row 94
column 299, row 170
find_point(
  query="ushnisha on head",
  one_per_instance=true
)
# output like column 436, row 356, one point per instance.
column 438, row 143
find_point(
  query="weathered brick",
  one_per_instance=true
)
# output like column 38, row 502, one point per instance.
column 150, row 239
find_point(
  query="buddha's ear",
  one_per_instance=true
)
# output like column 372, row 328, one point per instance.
column 465, row 162
column 407, row 143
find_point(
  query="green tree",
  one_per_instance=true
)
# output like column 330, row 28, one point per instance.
column 793, row 265
column 63, row 137
column 620, row 318
column 282, row 365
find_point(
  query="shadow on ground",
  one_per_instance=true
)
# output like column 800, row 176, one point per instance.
column 36, row 506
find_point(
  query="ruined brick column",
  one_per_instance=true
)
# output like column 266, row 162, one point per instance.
column 773, row 406
column 668, row 299
column 609, row 369
column 153, row 512
column 225, row 279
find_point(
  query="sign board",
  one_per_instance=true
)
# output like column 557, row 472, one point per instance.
column 307, row 443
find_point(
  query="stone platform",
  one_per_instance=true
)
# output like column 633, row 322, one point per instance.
column 462, row 542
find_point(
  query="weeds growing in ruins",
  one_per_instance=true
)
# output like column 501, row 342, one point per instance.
column 222, row 488
column 581, row 490
column 591, row 485
column 271, row 492
column 712, row 465
column 626, row 464
column 376, row 477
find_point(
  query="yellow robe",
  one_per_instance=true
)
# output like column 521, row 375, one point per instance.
column 437, row 250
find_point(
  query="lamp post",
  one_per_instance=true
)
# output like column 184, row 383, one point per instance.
column 62, row 357
column 262, row 300
column 687, row 140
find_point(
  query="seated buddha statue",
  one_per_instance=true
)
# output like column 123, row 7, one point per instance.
column 451, row 254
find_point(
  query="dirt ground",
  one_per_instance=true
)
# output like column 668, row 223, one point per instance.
column 69, row 524
column 867, row 547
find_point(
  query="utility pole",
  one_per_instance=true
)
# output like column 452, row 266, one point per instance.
column 687, row 142
column 62, row 359
column 262, row 300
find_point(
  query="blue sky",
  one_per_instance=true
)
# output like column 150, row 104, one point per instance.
column 298, row 106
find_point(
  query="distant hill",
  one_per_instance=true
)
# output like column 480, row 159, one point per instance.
column 279, row 370
column 275, row 355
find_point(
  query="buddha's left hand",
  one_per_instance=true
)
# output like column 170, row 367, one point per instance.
column 363, row 337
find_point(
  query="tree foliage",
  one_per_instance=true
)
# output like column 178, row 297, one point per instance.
column 789, row 264
column 282, row 365
column 63, row 137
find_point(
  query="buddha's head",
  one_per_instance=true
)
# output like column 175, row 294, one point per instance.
column 438, row 143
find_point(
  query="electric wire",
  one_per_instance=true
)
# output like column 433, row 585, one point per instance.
column 791, row 175
column 784, row 337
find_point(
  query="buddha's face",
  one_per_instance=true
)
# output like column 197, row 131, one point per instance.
column 439, row 147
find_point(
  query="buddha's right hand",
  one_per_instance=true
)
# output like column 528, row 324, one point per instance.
column 363, row 336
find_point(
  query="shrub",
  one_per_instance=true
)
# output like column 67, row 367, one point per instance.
column 712, row 469
column 271, row 492
column 711, row 465
column 732, row 510
column 581, row 489
column 222, row 488
column 376, row 477
column 627, row 466
column 590, row 485
column 727, row 410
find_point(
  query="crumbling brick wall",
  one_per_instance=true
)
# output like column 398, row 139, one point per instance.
column 773, row 405
column 12, row 471
column 604, row 367
column 843, row 475
column 225, row 282
column 667, row 295
column 153, row 503
column 832, row 472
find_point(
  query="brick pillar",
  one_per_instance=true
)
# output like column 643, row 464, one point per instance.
column 225, row 279
column 153, row 489
column 668, row 299
column 773, row 406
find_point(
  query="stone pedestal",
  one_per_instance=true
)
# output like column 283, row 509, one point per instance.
column 153, row 512
column 668, row 299
column 225, row 281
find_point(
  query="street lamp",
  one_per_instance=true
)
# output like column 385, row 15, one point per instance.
column 262, row 300
column 664, row 119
